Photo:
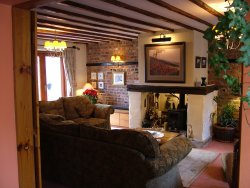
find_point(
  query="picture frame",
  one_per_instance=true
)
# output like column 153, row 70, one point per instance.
column 118, row 78
column 93, row 84
column 165, row 63
column 100, row 76
column 197, row 62
column 93, row 76
column 203, row 62
column 100, row 85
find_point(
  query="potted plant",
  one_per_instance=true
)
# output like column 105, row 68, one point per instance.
column 224, row 130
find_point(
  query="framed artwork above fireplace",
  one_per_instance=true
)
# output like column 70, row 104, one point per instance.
column 165, row 63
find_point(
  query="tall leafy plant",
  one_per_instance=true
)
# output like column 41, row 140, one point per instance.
column 231, row 28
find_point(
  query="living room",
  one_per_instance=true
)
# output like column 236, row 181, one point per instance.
column 140, row 63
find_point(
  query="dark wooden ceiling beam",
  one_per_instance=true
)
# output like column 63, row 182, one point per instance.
column 111, row 14
column 86, row 28
column 206, row 7
column 68, row 13
column 68, row 37
column 85, row 23
column 150, row 14
column 32, row 4
column 73, row 32
column 80, row 31
column 178, row 11
column 73, row 41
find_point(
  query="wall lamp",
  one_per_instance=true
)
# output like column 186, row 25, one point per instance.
column 162, row 38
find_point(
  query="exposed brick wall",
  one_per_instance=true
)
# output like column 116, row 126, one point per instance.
column 224, row 92
column 114, row 95
column 102, row 52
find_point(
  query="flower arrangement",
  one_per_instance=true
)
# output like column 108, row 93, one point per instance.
column 91, row 94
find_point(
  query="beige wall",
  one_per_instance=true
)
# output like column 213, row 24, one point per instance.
column 195, row 46
column 8, row 147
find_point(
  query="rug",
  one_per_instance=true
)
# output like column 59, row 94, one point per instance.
column 195, row 162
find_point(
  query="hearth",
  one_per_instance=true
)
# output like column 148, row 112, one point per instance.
column 177, row 120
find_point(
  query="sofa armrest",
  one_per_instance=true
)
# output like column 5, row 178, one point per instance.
column 103, row 111
column 174, row 151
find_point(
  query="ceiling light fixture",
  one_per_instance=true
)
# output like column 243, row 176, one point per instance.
column 162, row 38
column 55, row 45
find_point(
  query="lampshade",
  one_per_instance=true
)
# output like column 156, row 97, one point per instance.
column 87, row 86
column 117, row 58
column 55, row 45
column 112, row 58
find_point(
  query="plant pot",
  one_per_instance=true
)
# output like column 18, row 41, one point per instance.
column 223, row 134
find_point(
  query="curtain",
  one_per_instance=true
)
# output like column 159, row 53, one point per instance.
column 69, row 62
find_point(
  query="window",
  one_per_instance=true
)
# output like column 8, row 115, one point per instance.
column 51, row 77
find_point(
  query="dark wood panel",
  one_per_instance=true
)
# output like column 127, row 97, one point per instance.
column 173, row 89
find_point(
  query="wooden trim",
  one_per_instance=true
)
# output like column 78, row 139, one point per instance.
column 86, row 28
column 66, row 13
column 111, row 64
column 86, row 23
column 36, row 124
column 43, row 75
column 179, row 11
column 207, row 8
column 83, row 33
column 63, row 80
column 23, row 86
column 173, row 89
column 107, row 13
column 150, row 14
column 35, row 4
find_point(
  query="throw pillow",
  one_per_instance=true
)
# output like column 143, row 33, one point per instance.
column 85, row 109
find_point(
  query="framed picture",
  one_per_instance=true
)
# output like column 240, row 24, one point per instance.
column 118, row 78
column 100, row 75
column 93, row 84
column 165, row 63
column 93, row 75
column 203, row 62
column 100, row 85
column 197, row 62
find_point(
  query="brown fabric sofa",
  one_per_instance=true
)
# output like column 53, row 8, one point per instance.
column 91, row 157
column 78, row 110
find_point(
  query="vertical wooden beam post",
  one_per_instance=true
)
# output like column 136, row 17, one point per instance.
column 23, row 96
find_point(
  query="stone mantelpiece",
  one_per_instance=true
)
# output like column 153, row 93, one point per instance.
column 200, row 106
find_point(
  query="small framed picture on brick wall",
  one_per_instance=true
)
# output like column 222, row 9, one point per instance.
column 100, row 75
column 93, row 76
column 100, row 85
column 118, row 78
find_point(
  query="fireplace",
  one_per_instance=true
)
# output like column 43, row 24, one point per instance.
column 177, row 120
column 195, row 110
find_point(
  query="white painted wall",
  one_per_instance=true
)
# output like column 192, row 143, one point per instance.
column 195, row 46
column 199, row 110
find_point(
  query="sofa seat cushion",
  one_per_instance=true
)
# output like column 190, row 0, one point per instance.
column 78, row 106
column 97, row 122
column 138, row 140
column 52, row 107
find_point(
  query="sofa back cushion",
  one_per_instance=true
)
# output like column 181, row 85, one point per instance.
column 52, row 107
column 141, row 141
column 78, row 106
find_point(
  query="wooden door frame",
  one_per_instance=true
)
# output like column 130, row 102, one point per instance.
column 25, row 94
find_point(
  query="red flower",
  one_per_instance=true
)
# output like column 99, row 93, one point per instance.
column 90, row 92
